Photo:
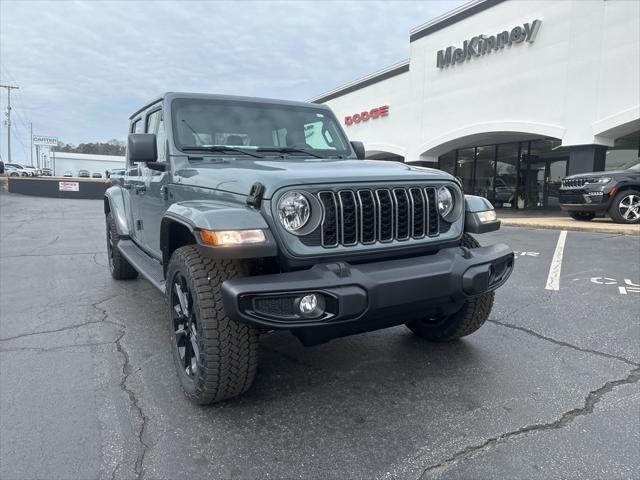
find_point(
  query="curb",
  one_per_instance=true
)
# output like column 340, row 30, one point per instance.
column 631, row 230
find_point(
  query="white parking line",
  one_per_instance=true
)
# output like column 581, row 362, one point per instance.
column 553, row 280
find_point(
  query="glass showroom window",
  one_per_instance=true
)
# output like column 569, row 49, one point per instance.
column 485, row 170
column 624, row 154
column 448, row 162
column 506, row 182
column 465, row 161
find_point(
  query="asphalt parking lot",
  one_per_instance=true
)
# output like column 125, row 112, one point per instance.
column 548, row 388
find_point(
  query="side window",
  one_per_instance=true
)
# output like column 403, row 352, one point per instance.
column 136, row 126
column 155, row 125
column 152, row 121
column 161, row 139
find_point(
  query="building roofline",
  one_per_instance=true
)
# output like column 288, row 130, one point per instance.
column 449, row 18
column 88, row 156
column 375, row 77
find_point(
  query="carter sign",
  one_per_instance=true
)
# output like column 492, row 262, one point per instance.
column 367, row 115
column 483, row 44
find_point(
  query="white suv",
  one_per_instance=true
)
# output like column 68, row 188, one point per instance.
column 15, row 170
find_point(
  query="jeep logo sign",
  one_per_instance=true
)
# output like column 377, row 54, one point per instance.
column 483, row 44
column 366, row 115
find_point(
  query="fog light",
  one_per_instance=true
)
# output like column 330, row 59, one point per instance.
column 311, row 305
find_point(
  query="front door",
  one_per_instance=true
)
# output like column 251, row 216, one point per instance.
column 153, row 193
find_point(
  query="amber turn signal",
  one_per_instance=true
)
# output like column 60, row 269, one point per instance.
column 487, row 216
column 228, row 238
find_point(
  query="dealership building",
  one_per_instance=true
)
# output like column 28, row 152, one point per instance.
column 510, row 96
column 65, row 162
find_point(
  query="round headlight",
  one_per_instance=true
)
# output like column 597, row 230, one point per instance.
column 445, row 201
column 294, row 211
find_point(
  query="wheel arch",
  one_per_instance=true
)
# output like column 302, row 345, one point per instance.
column 114, row 204
column 182, row 222
column 174, row 233
column 628, row 186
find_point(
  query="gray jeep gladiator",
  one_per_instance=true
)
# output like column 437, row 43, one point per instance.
column 252, row 215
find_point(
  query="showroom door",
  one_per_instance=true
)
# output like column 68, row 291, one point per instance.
column 556, row 171
column 542, row 181
column 534, row 183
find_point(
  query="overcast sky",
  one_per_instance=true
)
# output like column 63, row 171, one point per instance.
column 83, row 67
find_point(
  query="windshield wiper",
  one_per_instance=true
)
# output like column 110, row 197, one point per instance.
column 287, row 150
column 220, row 148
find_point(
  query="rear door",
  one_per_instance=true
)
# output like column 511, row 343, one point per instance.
column 130, row 182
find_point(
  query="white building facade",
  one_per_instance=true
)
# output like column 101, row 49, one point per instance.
column 62, row 162
column 509, row 95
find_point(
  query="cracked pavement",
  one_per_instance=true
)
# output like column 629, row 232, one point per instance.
column 548, row 388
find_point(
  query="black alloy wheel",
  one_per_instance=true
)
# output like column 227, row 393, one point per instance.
column 185, row 326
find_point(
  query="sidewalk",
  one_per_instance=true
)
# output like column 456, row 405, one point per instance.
column 557, row 220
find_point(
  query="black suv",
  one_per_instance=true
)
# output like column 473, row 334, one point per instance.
column 616, row 193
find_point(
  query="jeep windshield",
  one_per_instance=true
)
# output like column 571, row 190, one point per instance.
column 229, row 127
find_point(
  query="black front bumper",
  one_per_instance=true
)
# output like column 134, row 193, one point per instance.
column 368, row 296
column 583, row 200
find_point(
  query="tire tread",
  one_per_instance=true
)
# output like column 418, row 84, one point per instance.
column 229, row 350
column 467, row 320
column 121, row 268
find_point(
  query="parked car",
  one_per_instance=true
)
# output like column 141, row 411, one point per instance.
column 32, row 171
column 67, row 173
column 15, row 170
column 47, row 172
column 96, row 175
column 614, row 193
column 250, row 225
column 84, row 174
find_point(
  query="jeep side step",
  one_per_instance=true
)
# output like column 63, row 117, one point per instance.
column 149, row 268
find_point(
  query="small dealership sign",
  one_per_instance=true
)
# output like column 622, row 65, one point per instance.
column 69, row 186
column 484, row 44
column 45, row 140
column 367, row 115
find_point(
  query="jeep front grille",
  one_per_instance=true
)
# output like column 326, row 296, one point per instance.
column 574, row 182
column 366, row 216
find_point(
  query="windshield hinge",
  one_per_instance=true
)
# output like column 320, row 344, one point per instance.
column 255, row 195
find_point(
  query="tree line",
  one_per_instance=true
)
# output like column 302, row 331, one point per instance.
column 112, row 147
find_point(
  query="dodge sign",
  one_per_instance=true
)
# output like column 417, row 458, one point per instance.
column 367, row 115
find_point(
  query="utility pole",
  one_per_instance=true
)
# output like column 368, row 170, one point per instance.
column 31, row 131
column 9, row 88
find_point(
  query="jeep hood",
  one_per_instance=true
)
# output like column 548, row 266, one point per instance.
column 238, row 175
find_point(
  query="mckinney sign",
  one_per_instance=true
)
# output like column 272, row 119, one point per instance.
column 483, row 44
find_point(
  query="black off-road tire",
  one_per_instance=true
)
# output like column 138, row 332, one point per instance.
column 465, row 321
column 119, row 267
column 614, row 209
column 228, row 350
column 583, row 216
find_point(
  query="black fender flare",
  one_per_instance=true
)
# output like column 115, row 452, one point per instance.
column 114, row 203
column 197, row 215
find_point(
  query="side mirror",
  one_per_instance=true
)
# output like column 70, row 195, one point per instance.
column 142, row 148
column 358, row 148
